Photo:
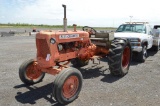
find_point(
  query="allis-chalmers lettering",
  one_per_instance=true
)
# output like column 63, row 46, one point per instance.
column 68, row 36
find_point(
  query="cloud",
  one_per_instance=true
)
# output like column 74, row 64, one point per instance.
column 82, row 12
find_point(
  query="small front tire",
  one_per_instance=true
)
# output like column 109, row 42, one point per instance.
column 29, row 73
column 67, row 85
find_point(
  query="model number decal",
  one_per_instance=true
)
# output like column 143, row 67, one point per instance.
column 68, row 36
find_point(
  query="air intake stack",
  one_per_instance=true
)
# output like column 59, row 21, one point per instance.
column 64, row 19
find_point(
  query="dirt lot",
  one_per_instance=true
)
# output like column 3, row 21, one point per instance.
column 140, row 87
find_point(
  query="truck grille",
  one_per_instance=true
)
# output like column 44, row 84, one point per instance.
column 42, row 48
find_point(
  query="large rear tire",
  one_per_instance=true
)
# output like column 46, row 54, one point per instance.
column 119, row 57
column 29, row 73
column 67, row 85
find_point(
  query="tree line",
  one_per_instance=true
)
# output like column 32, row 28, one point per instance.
column 35, row 25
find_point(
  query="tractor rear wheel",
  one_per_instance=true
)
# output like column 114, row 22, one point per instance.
column 79, row 63
column 67, row 85
column 119, row 57
column 29, row 73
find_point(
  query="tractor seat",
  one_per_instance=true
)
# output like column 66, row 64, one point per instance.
column 101, row 35
column 105, row 36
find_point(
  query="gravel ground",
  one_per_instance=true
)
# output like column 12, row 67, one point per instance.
column 140, row 87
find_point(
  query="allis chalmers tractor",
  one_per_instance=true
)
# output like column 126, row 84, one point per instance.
column 56, row 49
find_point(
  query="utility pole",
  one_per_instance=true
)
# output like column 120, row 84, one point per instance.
column 113, row 23
column 131, row 18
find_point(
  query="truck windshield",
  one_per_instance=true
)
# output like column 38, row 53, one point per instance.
column 138, row 28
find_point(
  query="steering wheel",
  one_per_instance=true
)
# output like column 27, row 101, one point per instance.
column 89, row 29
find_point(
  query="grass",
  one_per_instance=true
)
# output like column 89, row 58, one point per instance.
column 24, row 25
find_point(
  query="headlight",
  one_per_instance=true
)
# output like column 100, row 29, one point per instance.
column 52, row 40
column 60, row 47
column 135, row 42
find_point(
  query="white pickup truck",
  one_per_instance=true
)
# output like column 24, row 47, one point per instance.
column 141, row 38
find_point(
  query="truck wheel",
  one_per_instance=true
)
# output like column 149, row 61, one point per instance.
column 29, row 73
column 119, row 57
column 143, row 54
column 79, row 63
column 67, row 85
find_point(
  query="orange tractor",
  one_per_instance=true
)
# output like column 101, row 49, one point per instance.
column 56, row 49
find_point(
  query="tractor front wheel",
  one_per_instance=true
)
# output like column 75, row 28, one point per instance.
column 29, row 73
column 67, row 85
column 119, row 57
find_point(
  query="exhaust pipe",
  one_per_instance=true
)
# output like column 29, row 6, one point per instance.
column 64, row 19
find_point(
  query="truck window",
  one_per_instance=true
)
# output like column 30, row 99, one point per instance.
column 138, row 28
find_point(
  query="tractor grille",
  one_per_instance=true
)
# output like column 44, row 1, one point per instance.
column 42, row 48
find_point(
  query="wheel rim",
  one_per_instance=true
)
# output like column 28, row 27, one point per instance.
column 33, row 72
column 126, row 57
column 70, row 87
column 145, row 52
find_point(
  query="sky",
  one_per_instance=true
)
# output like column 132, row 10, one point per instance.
column 95, row 13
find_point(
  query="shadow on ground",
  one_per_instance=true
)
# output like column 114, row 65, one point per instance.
column 96, row 71
column 44, row 92
column 150, row 53
column 35, row 93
